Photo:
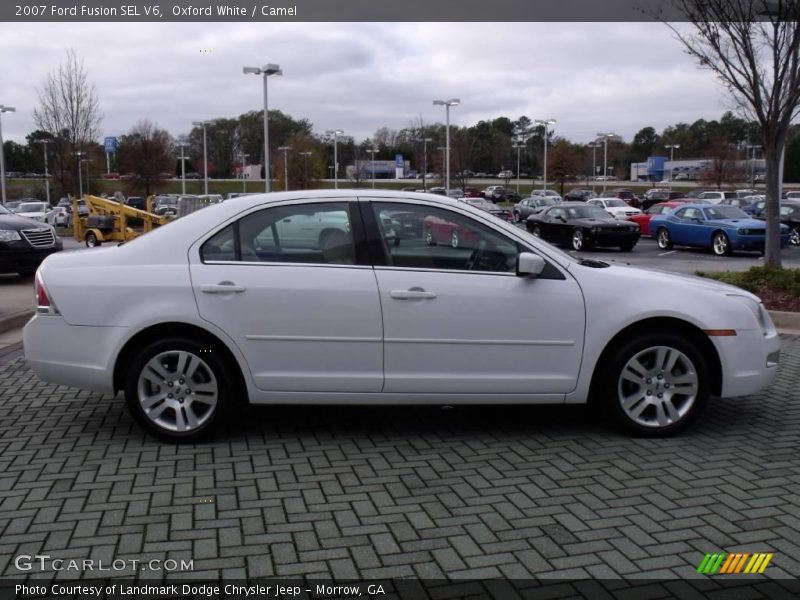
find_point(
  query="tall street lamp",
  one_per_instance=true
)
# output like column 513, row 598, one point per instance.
column 605, row 137
column 335, row 133
column 3, row 109
column 205, row 154
column 285, row 150
column 447, row 104
column 80, row 172
column 305, row 156
column 594, row 146
column 545, row 122
column 372, row 151
column 425, row 160
column 46, row 174
column 244, row 172
column 86, row 161
column 671, row 158
column 266, row 71
column 183, row 169
column 518, row 145
column 752, row 161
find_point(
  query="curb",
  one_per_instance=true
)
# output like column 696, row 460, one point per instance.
column 15, row 320
column 785, row 320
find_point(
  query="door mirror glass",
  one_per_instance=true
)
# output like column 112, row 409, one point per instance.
column 529, row 265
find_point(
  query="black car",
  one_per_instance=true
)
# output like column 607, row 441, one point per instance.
column 789, row 213
column 136, row 202
column 652, row 197
column 24, row 243
column 579, row 195
column 625, row 194
column 583, row 226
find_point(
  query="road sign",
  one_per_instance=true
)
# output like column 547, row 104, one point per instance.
column 111, row 145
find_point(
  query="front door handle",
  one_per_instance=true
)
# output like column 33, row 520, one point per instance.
column 412, row 294
column 224, row 287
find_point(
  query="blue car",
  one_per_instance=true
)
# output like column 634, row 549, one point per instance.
column 721, row 228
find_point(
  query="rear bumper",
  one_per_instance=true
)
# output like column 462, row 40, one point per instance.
column 77, row 356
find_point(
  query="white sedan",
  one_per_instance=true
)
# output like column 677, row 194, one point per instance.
column 615, row 207
column 235, row 302
column 36, row 211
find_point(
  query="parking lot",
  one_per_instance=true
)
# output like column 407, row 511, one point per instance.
column 371, row 492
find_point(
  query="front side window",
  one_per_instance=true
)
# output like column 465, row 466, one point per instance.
column 426, row 237
column 299, row 233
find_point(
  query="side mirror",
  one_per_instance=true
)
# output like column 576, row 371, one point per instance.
column 529, row 264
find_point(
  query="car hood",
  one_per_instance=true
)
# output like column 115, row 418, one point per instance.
column 17, row 222
column 591, row 222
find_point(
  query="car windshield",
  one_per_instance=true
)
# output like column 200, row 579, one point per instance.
column 550, row 193
column 546, row 201
column 586, row 212
column 29, row 207
column 4, row 210
column 725, row 212
column 615, row 203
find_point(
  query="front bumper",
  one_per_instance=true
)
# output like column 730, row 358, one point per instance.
column 613, row 238
column 21, row 256
column 749, row 362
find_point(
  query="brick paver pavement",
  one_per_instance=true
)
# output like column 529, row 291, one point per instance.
column 368, row 492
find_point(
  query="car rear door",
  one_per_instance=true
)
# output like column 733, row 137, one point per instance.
column 306, row 319
column 459, row 320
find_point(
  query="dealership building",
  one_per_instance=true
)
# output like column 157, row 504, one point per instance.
column 661, row 168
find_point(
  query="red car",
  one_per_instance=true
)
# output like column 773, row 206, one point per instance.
column 441, row 231
column 643, row 220
column 472, row 193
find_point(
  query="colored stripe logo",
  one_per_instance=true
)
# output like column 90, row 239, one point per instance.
column 723, row 563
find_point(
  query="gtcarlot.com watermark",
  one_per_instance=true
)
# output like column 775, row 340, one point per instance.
column 45, row 562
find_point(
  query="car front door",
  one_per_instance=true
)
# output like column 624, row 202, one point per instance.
column 306, row 318
column 459, row 320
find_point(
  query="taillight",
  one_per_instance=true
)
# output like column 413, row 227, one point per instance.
column 43, row 303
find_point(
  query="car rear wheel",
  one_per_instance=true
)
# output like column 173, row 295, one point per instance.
column 429, row 239
column 579, row 240
column 656, row 384
column 91, row 240
column 517, row 218
column 720, row 244
column 664, row 239
column 176, row 389
column 536, row 231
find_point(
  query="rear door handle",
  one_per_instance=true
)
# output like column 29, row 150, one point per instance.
column 221, row 288
column 412, row 295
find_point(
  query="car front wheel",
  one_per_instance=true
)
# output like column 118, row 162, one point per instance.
column 176, row 389
column 794, row 236
column 720, row 244
column 517, row 218
column 579, row 240
column 657, row 384
column 664, row 239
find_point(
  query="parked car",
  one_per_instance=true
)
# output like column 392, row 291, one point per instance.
column 746, row 203
column 616, row 207
column 494, row 192
column 790, row 216
column 723, row 229
column 24, row 243
column 57, row 216
column 624, row 194
column 136, row 202
column 166, row 205
column 792, row 195
column 230, row 313
column 12, row 204
column 643, row 220
column 111, row 175
column 546, row 194
column 498, row 211
column 579, row 195
column 715, row 197
column 471, row 192
column 439, row 191
column 656, row 196
column 36, row 211
column 529, row 206
column 505, row 174
column 582, row 226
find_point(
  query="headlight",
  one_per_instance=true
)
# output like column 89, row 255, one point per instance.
column 9, row 235
column 760, row 313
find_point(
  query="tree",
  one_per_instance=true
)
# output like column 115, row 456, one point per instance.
column 564, row 162
column 69, row 111
column 753, row 46
column 722, row 165
column 147, row 153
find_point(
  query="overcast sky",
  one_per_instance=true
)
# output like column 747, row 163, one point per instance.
column 361, row 76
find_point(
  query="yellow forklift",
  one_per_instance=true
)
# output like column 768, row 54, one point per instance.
column 107, row 220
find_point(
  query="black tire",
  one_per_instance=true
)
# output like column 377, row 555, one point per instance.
column 537, row 231
column 720, row 243
column 579, row 241
column 212, row 372
column 517, row 218
column 91, row 240
column 430, row 240
column 455, row 240
column 627, row 247
column 646, row 390
column 794, row 236
column 664, row 239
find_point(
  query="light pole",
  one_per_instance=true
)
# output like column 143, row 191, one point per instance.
column 183, row 169
column 80, row 173
column 3, row 109
column 285, row 150
column 518, row 145
column 335, row 133
column 447, row 104
column 372, row 151
column 46, row 174
column 443, row 150
column 594, row 146
column 425, row 160
column 244, row 172
column 545, row 122
column 305, row 156
column 266, row 71
column 671, row 158
column 752, row 161
column 205, row 154
column 605, row 137
column 86, row 161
